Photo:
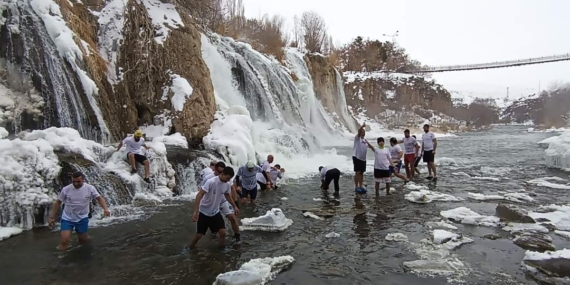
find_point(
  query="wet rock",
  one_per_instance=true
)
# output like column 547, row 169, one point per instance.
column 555, row 267
column 550, row 227
column 492, row 236
column 513, row 213
column 534, row 241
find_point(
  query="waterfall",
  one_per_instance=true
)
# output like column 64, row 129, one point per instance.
column 27, row 46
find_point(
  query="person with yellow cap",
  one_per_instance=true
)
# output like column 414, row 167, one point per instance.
column 135, row 154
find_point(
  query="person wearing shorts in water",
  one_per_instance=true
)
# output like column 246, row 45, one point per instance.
column 429, row 145
column 265, row 184
column 411, row 149
column 382, row 164
column 328, row 175
column 359, row 159
column 396, row 153
column 225, row 207
column 207, row 207
column 418, row 156
column 246, row 181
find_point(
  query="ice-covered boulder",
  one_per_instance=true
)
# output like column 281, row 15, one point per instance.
column 550, row 263
column 257, row 271
column 558, row 152
column 534, row 241
column 273, row 221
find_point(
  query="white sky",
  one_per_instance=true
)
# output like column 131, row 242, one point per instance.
column 442, row 32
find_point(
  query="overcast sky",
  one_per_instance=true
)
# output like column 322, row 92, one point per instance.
column 442, row 32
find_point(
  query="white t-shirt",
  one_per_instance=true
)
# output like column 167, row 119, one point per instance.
column 409, row 145
column 215, row 190
column 324, row 171
column 205, row 172
column 395, row 152
column 133, row 146
column 266, row 167
column 427, row 141
column 77, row 201
column 360, row 148
column 381, row 158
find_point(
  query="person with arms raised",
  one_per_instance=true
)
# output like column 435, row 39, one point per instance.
column 429, row 145
column 135, row 154
column 246, row 181
column 225, row 207
column 359, row 159
column 207, row 207
column 328, row 175
column 76, row 198
column 382, row 164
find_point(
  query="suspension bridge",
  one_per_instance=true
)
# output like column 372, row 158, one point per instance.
column 489, row 65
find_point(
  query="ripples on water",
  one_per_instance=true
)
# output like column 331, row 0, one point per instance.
column 146, row 252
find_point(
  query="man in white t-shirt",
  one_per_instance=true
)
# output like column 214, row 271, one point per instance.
column 429, row 145
column 382, row 164
column 265, row 167
column 208, row 170
column 359, row 159
column 135, row 154
column 411, row 151
column 207, row 207
column 396, row 154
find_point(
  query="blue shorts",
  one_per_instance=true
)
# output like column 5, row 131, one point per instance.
column 80, row 227
column 251, row 193
column 399, row 166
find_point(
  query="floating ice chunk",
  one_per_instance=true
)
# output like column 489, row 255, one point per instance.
column 558, row 216
column 273, row 220
column 441, row 224
column 311, row 215
column 482, row 197
column 332, row 235
column 414, row 186
column 526, row 227
column 518, row 197
column 445, row 161
column 427, row 196
column 256, row 271
column 543, row 182
column 456, row 242
column 284, row 198
column 467, row 216
column 317, row 199
column 565, row 234
column 443, row 236
column 5, row 233
column 399, row 237
column 436, row 260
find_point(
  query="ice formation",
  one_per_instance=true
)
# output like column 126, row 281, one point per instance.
column 257, row 271
column 399, row 237
column 273, row 221
column 465, row 215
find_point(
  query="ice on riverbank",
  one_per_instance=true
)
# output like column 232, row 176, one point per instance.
column 257, row 271
column 465, row 215
column 423, row 196
column 273, row 221
column 6, row 233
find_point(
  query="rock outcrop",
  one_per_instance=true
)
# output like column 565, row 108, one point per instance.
column 513, row 213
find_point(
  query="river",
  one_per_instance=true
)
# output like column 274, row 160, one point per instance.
column 147, row 251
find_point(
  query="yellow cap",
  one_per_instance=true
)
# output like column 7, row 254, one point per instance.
column 138, row 133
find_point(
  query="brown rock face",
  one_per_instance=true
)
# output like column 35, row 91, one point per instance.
column 512, row 213
column 326, row 85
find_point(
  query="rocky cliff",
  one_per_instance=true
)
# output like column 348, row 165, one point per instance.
column 103, row 67
column 547, row 109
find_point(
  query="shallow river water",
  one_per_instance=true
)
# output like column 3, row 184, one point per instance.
column 147, row 251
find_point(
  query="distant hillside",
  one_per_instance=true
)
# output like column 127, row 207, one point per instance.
column 549, row 109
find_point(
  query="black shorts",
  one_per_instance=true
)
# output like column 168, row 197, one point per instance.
column 262, row 186
column 214, row 223
column 417, row 161
column 138, row 157
column 428, row 156
column 381, row 173
column 252, row 193
column 359, row 165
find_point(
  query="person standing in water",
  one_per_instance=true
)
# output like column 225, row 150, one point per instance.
column 359, row 159
column 246, row 181
column 265, row 167
column 411, row 150
column 134, row 153
column 382, row 164
column 276, row 172
column 77, row 198
column 225, row 207
column 396, row 153
column 208, row 170
column 429, row 145
column 328, row 175
column 418, row 157
column 207, row 207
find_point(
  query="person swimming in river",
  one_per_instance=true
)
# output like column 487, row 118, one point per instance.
column 382, row 164
column 135, row 154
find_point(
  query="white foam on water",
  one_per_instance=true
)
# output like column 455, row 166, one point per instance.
column 486, row 178
column 465, row 215
column 441, row 224
column 273, row 221
column 496, row 171
column 445, row 161
column 7, row 232
column 483, row 197
column 398, row 237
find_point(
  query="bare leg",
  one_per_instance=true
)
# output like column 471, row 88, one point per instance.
column 222, row 239
column 146, row 168
column 65, row 238
column 417, row 170
column 195, row 240
column 234, row 223
column 377, row 188
column 401, row 176
column 387, row 188
column 360, row 179
column 433, row 169
column 132, row 160
column 412, row 171
column 407, row 166
column 244, row 200
column 429, row 169
column 252, row 201
column 82, row 238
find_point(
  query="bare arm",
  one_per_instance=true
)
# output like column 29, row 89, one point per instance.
column 55, row 209
column 400, row 154
column 103, row 204
column 197, row 204
column 369, row 145
column 434, row 145
column 231, row 201
column 145, row 146
column 120, row 146
column 417, row 149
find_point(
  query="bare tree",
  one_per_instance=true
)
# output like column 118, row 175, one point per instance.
column 297, row 40
column 314, row 30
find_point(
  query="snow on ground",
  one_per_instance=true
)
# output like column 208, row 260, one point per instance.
column 273, row 220
column 533, row 255
column 63, row 38
column 465, row 215
column 351, row 76
column 111, row 20
column 164, row 17
column 181, row 91
column 256, row 271
column 175, row 139
column 6, row 233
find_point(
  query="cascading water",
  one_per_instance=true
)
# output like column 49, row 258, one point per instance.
column 27, row 46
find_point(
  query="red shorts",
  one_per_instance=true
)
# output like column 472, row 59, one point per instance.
column 409, row 158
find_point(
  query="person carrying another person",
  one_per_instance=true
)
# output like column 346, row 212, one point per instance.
column 429, row 145
column 396, row 153
column 265, row 167
column 208, row 170
column 135, row 154
column 382, row 164
column 225, row 207
column 418, row 157
column 329, row 174
column 411, row 151
column 76, row 198
column 246, row 181
column 359, row 159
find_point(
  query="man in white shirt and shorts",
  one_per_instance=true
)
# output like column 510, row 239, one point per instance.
column 429, row 145
column 382, row 164
column 135, row 154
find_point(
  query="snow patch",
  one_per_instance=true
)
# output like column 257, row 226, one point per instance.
column 111, row 21
column 181, row 89
column 5, row 233
column 256, row 271
column 164, row 17
column 399, row 237
column 465, row 215
column 558, row 216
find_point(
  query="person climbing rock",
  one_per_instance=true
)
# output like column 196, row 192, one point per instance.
column 246, row 181
column 265, row 167
column 207, row 207
column 359, row 159
column 328, row 175
column 76, row 197
column 382, row 163
column 135, row 154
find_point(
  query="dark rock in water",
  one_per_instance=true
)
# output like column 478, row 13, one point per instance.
column 550, row 227
column 535, row 242
column 512, row 213
column 542, row 220
column 557, row 267
column 492, row 236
